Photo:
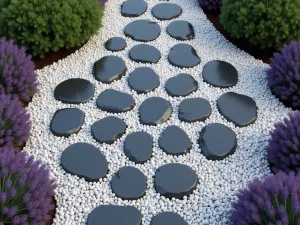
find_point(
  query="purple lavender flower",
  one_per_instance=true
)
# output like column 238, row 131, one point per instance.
column 284, row 75
column 211, row 5
column 102, row 2
column 21, row 204
column 267, row 202
column 17, row 76
column 14, row 123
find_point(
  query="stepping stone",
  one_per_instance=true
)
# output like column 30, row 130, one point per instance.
column 138, row 147
column 108, row 130
column 175, row 180
column 109, row 68
column 74, row 91
column 115, row 215
column 85, row 161
column 174, row 141
column 115, row 101
column 166, row 11
column 133, row 8
column 183, row 56
column 239, row 109
column 142, row 30
column 143, row 80
column 217, row 141
column 129, row 183
column 181, row 85
column 116, row 44
column 144, row 54
column 181, row 30
column 194, row 109
column 168, row 218
column 66, row 122
column 155, row 110
column 220, row 74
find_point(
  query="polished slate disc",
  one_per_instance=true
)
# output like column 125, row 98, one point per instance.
column 166, row 11
column 115, row 44
column 144, row 53
column 133, row 8
column 142, row 30
column 168, row 218
column 181, row 85
column 181, row 30
column 183, row 56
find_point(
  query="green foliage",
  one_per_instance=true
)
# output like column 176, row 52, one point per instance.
column 267, row 23
column 48, row 25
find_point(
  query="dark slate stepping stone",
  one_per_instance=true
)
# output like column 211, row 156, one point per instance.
column 129, row 183
column 181, row 85
column 85, row 161
column 143, row 80
column 115, row 101
column 115, row 215
column 155, row 110
column 217, row 141
column 174, row 141
column 181, row 30
column 116, row 44
column 74, row 91
column 66, row 122
column 144, row 54
column 108, row 130
column 109, row 68
column 194, row 109
column 166, row 11
column 220, row 74
column 133, row 8
column 138, row 147
column 183, row 56
column 239, row 109
column 142, row 30
column 168, row 218
column 175, row 180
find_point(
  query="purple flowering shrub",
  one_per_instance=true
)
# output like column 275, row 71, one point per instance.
column 17, row 76
column 26, row 190
column 14, row 122
column 284, row 75
column 211, row 5
column 284, row 146
column 274, row 201
column 102, row 2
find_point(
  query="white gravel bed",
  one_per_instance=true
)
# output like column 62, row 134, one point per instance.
column 219, row 181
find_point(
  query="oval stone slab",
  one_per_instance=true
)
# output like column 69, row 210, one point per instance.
column 194, row 109
column 220, row 74
column 166, row 11
column 109, row 68
column 155, row 110
column 116, row 44
column 143, row 80
column 175, row 180
column 133, row 8
column 168, row 218
column 108, row 130
column 67, row 121
column 115, row 101
column 74, row 91
column 138, row 147
column 142, row 30
column 85, row 161
column 115, row 215
column 174, row 141
column 183, row 56
column 181, row 30
column 181, row 85
column 144, row 54
column 129, row 183
column 217, row 141
column 237, row 108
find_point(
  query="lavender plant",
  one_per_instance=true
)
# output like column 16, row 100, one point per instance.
column 14, row 122
column 274, row 201
column 211, row 5
column 284, row 75
column 26, row 190
column 102, row 2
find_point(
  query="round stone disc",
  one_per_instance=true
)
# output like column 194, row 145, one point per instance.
column 144, row 54
column 181, row 30
column 129, row 183
column 116, row 44
column 183, row 56
column 220, row 74
column 168, row 218
column 133, row 8
column 166, row 11
column 181, row 85
column 142, row 30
